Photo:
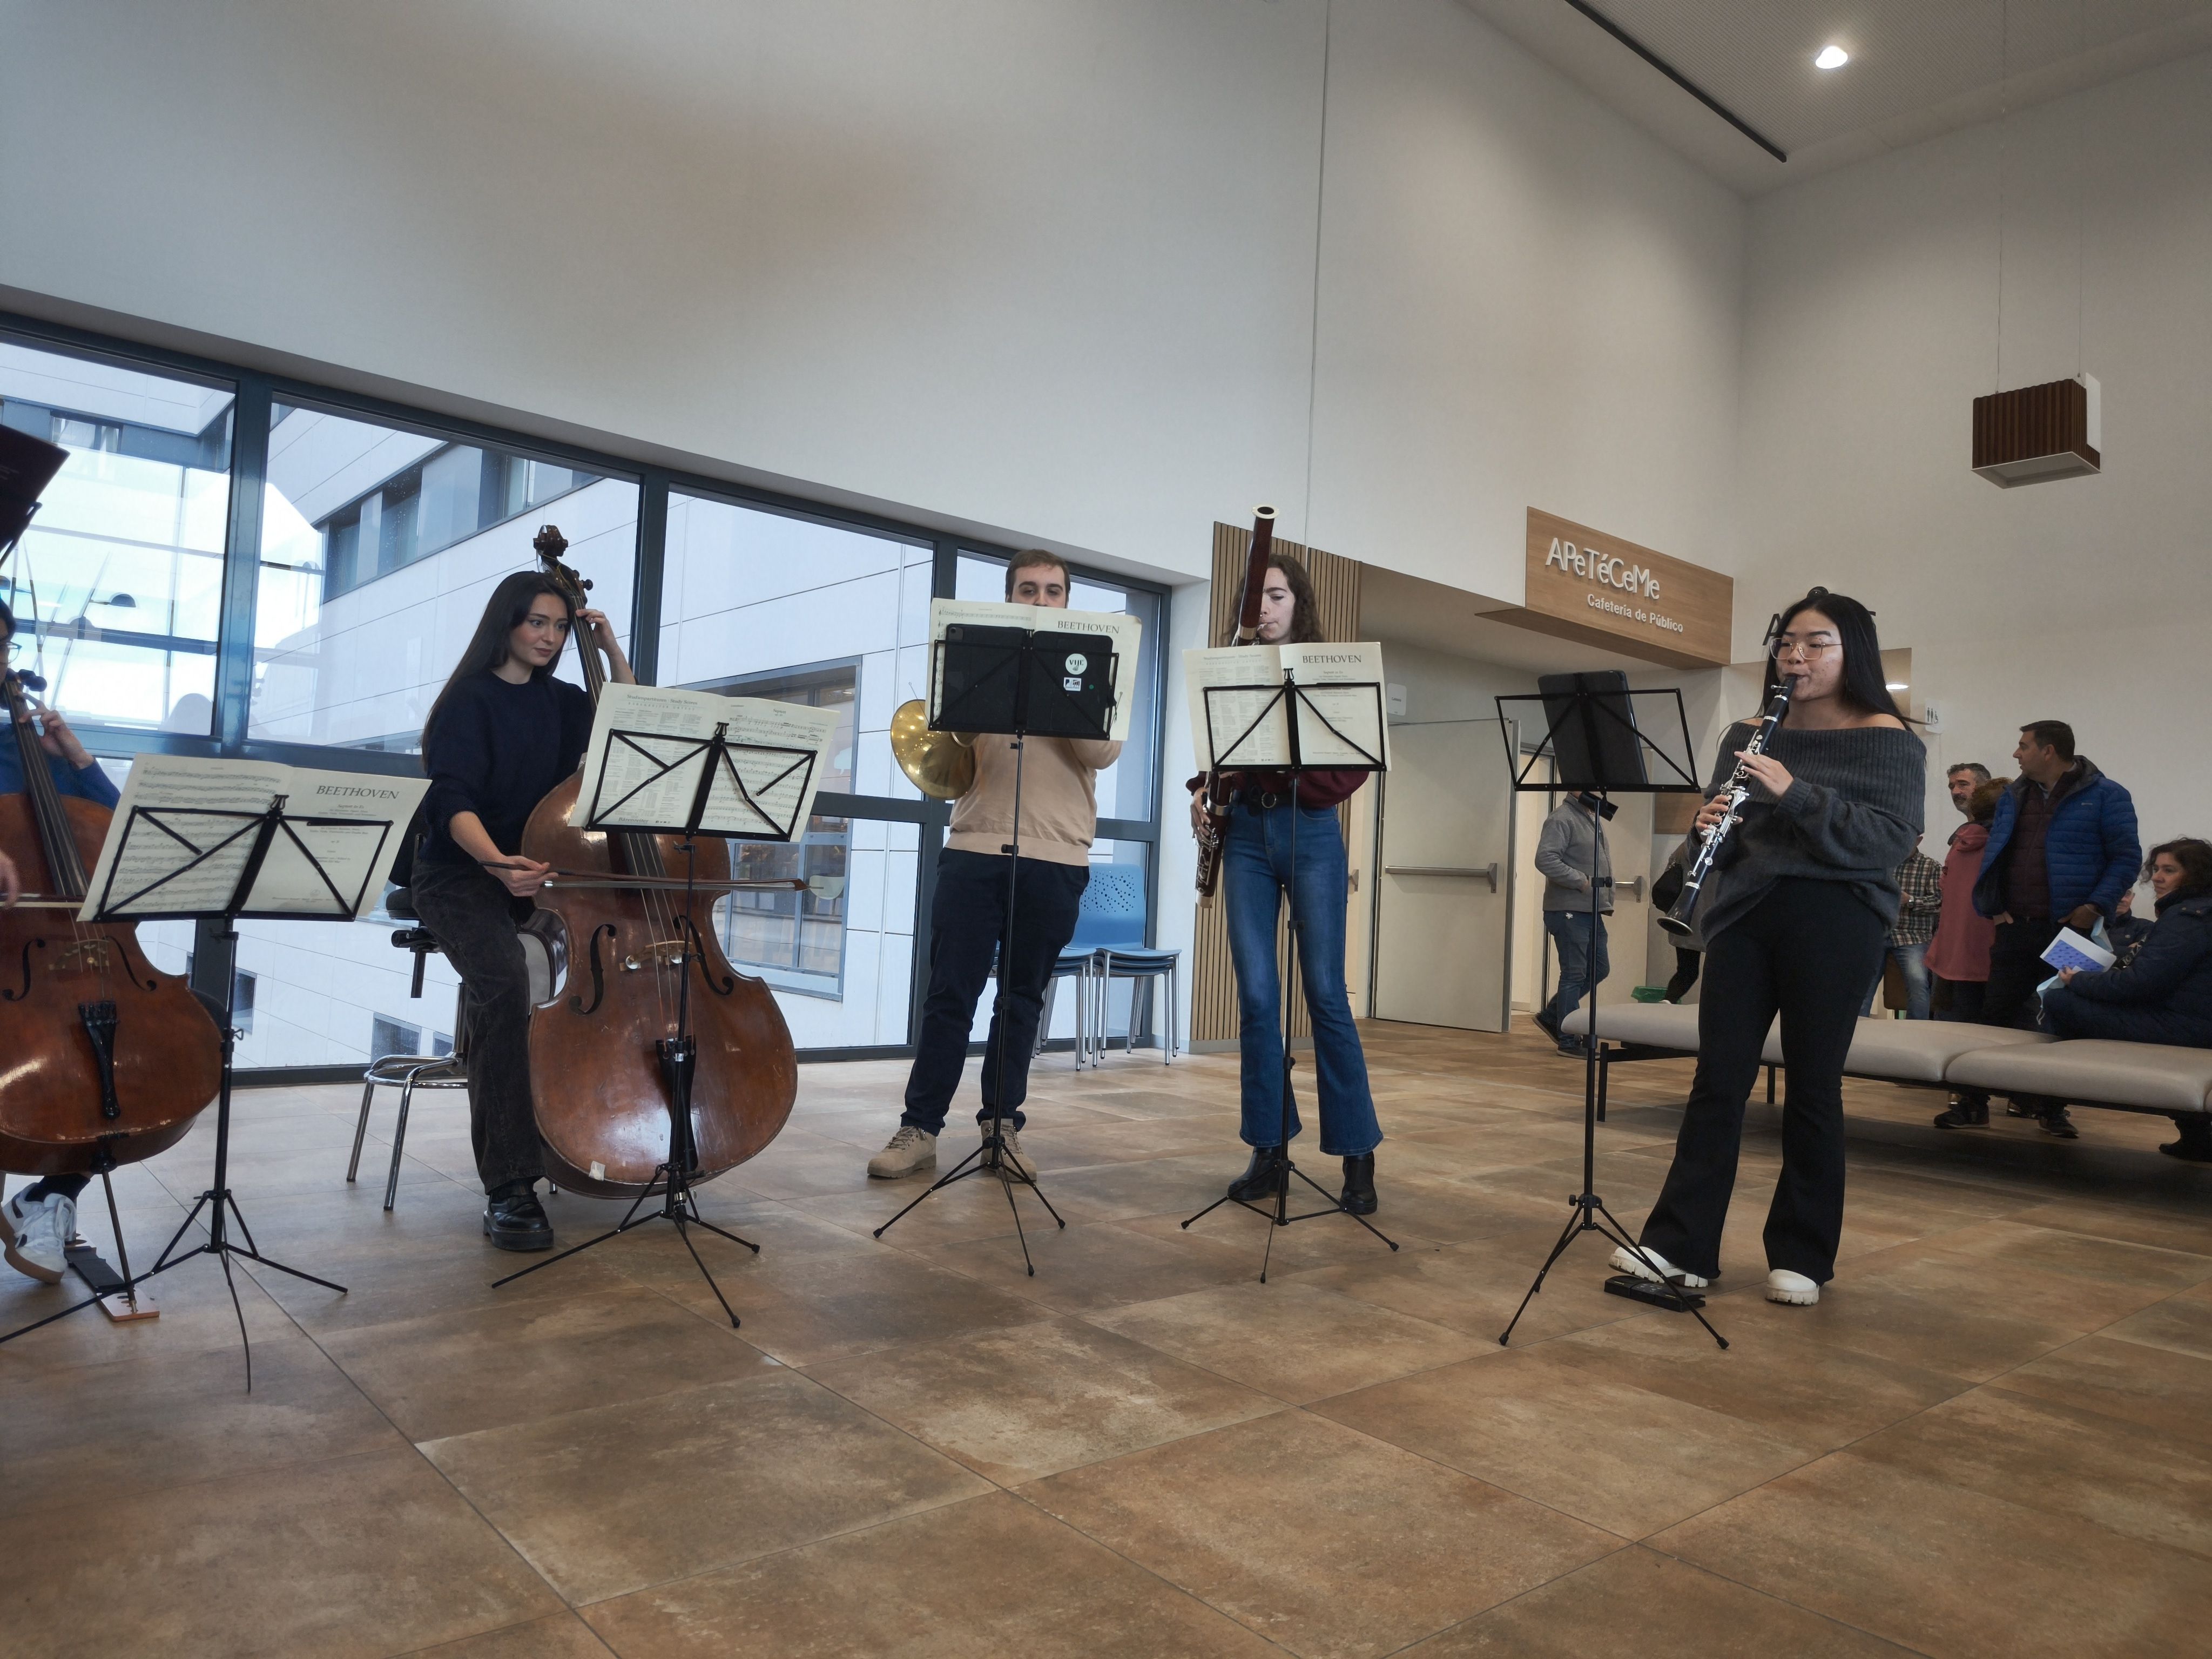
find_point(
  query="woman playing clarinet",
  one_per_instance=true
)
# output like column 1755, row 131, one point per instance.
column 501, row 735
column 1793, row 918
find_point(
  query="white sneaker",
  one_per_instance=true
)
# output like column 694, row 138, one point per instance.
column 909, row 1152
column 37, row 1231
column 1791, row 1289
column 1628, row 1261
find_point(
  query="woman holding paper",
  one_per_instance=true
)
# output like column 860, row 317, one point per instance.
column 501, row 735
column 1257, row 869
column 2162, row 993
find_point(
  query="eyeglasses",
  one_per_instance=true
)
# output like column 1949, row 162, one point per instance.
column 1786, row 646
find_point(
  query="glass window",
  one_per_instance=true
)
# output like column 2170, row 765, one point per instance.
column 764, row 603
column 378, row 548
column 117, row 586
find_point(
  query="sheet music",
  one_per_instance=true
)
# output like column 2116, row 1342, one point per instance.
column 1243, row 680
column 185, row 829
column 649, row 777
column 1125, row 633
column 1336, row 685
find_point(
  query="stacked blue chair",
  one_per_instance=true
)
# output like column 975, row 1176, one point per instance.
column 1110, row 933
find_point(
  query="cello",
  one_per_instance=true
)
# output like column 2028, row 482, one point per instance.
column 107, row 1061
column 604, row 1055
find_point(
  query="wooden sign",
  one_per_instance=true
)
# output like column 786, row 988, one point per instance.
column 1585, row 585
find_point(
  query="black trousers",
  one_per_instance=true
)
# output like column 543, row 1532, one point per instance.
column 1805, row 951
column 1958, row 999
column 968, row 920
column 474, row 919
column 2016, row 968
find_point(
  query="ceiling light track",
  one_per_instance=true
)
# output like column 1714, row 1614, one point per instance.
column 1680, row 79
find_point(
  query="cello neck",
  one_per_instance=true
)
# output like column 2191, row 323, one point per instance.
column 65, row 869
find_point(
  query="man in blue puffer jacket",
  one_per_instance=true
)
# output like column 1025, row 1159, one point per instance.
column 2061, row 850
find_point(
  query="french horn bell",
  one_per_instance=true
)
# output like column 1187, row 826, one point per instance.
column 940, row 763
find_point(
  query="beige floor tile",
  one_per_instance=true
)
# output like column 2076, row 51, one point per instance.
column 1618, row 1456
column 2182, row 1323
column 2049, row 1455
column 1378, row 1549
column 1296, row 1341
column 2073, row 1255
column 609, row 1500
column 1947, row 1571
column 483, row 1368
column 1032, row 1400
column 358, row 1556
column 1475, row 1289
column 2124, row 1217
column 1097, row 1265
column 563, row 1636
column 2154, row 1388
column 1637, row 1601
column 990, row 1578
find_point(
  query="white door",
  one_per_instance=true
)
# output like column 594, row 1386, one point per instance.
column 1443, row 932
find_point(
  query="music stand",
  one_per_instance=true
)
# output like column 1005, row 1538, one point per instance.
column 210, row 864
column 1260, row 736
column 1011, row 681
column 642, row 772
column 1598, row 746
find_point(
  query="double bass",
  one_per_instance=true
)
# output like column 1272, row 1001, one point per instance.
column 605, row 1055
column 105, row 1060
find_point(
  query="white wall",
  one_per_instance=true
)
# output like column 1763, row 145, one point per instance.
column 1872, row 325
column 1047, row 267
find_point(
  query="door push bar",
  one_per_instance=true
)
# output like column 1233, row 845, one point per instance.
column 1486, row 872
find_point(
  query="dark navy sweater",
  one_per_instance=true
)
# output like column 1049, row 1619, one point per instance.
column 494, row 751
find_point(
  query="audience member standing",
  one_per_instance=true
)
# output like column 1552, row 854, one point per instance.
column 1920, row 902
column 1962, row 781
column 1959, row 955
column 1570, row 854
column 2063, row 849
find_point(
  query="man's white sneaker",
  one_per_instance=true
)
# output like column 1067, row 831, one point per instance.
column 1628, row 1261
column 1791, row 1289
column 910, row 1151
column 37, row 1231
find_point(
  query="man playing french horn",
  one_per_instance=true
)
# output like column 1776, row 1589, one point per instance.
column 968, row 918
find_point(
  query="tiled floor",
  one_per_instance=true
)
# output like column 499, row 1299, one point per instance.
column 1994, row 1436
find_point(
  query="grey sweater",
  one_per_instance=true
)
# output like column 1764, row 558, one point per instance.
column 1851, row 815
column 1564, row 853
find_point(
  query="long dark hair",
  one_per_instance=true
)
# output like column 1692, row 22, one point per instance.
column 1305, row 615
column 503, row 613
column 2195, row 858
column 1863, row 688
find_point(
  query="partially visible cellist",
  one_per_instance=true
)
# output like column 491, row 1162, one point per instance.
column 40, row 1220
column 501, row 734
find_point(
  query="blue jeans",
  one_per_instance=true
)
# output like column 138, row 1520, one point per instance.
column 1571, row 937
column 1256, row 869
column 1913, row 962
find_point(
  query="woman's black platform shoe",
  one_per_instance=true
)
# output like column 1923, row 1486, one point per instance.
column 1261, row 1177
column 1359, row 1184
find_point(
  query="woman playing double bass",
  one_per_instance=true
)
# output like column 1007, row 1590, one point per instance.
column 501, row 734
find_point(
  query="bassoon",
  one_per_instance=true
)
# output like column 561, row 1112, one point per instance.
column 1214, row 794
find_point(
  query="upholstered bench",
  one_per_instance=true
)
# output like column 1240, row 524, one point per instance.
column 2127, row 1076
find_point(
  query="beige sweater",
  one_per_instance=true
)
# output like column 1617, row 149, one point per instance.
column 1059, row 799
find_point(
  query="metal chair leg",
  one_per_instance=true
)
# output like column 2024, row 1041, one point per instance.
column 361, row 1128
column 400, row 1139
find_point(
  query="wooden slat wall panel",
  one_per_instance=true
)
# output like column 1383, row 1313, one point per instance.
column 1336, row 598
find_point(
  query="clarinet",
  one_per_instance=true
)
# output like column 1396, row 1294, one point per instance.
column 1677, row 919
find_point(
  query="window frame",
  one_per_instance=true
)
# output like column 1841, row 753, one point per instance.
column 255, row 392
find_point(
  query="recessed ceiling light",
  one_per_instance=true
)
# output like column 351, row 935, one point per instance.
column 1832, row 58
column 1897, row 685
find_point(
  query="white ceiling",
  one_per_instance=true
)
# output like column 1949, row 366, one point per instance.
column 1919, row 67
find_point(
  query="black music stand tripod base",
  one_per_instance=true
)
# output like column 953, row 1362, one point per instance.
column 679, row 1204
column 991, row 1157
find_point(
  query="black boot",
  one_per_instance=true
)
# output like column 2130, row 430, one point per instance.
column 515, row 1220
column 2196, row 1143
column 1965, row 1113
column 1261, row 1177
column 1359, row 1195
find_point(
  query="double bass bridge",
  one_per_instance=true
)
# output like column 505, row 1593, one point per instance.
column 92, row 955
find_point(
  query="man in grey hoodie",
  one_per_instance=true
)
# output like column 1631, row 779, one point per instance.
column 1570, row 854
